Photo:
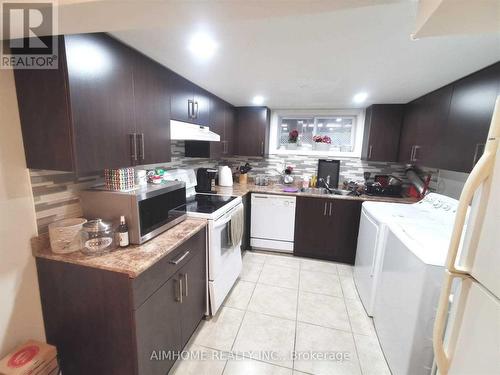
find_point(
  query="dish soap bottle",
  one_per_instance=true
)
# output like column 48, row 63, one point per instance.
column 123, row 233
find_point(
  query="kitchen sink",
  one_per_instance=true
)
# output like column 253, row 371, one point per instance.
column 323, row 191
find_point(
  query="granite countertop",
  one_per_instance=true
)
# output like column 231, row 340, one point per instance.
column 133, row 260
column 242, row 189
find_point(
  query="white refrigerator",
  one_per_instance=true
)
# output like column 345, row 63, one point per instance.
column 466, row 334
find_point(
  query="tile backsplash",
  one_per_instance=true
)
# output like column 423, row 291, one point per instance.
column 56, row 193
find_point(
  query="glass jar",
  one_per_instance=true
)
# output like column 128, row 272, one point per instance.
column 97, row 237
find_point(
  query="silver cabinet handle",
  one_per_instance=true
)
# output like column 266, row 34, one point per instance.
column 133, row 146
column 324, row 211
column 411, row 152
column 415, row 153
column 178, row 297
column 141, row 146
column 331, row 204
column 180, row 259
column 186, row 286
column 195, row 114
column 190, row 109
column 370, row 152
column 262, row 148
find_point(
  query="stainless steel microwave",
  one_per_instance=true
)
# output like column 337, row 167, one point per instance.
column 149, row 211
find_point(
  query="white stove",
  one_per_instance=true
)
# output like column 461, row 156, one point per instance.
column 223, row 257
column 210, row 206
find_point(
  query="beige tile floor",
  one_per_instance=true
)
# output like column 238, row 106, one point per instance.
column 281, row 305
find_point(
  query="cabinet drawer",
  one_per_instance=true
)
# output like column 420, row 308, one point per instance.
column 149, row 281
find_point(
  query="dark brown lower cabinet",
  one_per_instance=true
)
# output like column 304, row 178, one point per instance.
column 155, row 332
column 104, row 322
column 327, row 228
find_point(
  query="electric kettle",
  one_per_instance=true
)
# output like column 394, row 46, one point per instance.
column 225, row 176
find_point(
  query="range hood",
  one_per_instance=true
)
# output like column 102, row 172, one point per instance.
column 184, row 131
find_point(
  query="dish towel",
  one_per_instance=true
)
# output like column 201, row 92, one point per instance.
column 236, row 227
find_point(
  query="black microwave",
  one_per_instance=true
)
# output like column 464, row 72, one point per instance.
column 149, row 211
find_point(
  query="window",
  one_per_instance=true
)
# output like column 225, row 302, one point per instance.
column 317, row 132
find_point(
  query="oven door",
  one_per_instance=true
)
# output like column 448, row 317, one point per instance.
column 221, row 251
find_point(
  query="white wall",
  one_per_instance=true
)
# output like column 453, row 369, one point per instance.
column 451, row 183
column 20, row 310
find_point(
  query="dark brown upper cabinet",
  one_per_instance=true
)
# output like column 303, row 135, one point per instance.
column 229, row 129
column 151, row 111
column 470, row 113
column 91, row 113
column 327, row 228
column 79, row 117
column 447, row 128
column 423, row 122
column 252, row 130
column 189, row 103
column 381, row 132
column 221, row 121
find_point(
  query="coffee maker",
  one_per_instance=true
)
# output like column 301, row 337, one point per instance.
column 205, row 180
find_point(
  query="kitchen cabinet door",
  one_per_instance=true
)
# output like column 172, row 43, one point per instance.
column 182, row 98
column 312, row 236
column 204, row 149
column 471, row 110
column 252, row 130
column 382, row 130
column 229, row 129
column 410, row 132
column 194, row 290
column 327, row 228
column 217, row 126
column 158, row 328
column 344, row 225
column 152, row 111
column 45, row 113
column 201, row 107
column 432, row 122
column 102, row 100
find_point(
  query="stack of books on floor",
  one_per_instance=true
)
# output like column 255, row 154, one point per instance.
column 31, row 358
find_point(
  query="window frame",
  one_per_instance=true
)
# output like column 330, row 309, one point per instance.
column 357, row 132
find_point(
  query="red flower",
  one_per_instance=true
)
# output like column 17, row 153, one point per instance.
column 292, row 136
column 322, row 139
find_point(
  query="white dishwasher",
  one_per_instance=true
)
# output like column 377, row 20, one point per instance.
column 272, row 222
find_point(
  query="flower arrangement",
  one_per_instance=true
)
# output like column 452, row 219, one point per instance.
column 322, row 139
column 289, row 170
column 293, row 136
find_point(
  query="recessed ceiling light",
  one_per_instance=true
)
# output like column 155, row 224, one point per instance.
column 258, row 100
column 202, row 46
column 360, row 97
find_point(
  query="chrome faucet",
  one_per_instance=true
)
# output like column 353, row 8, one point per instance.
column 327, row 184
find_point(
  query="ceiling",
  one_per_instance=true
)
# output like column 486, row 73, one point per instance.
column 320, row 60
column 295, row 53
